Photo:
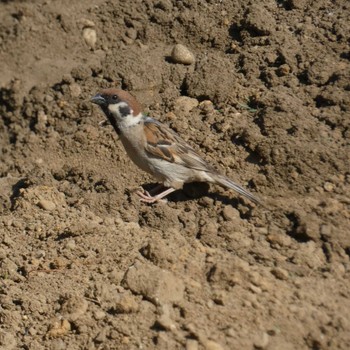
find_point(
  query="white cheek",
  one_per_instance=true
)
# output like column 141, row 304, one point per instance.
column 114, row 109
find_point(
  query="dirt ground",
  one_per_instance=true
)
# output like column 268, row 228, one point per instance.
column 85, row 265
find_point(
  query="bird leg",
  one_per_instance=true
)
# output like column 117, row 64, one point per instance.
column 148, row 197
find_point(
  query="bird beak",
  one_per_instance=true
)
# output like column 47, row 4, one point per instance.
column 98, row 99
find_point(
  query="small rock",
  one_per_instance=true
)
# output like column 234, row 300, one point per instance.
column 40, row 254
column 32, row 331
column 59, row 329
column 328, row 186
column 279, row 239
column 101, row 336
column 75, row 90
column 280, row 273
column 87, row 23
column 255, row 289
column 58, row 263
column 99, row 315
column 42, row 118
column 282, row 70
column 90, row 37
column 165, row 5
column 67, row 78
column 230, row 214
column 131, row 33
column 220, row 297
column 186, row 104
column 47, row 205
column 165, row 322
column 181, row 54
column 71, row 244
column 261, row 341
column 125, row 340
column 126, row 305
column 191, row 344
column 210, row 228
column 212, row 345
column 231, row 332
column 207, row 106
column 326, row 231
column 308, row 226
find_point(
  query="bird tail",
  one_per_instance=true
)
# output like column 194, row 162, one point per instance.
column 226, row 182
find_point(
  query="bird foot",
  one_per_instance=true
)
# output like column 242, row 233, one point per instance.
column 146, row 197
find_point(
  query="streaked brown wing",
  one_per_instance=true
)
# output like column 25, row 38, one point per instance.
column 163, row 143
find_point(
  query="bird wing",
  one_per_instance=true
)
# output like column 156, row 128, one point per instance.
column 165, row 144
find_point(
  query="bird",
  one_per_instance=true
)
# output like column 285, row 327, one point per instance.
column 157, row 149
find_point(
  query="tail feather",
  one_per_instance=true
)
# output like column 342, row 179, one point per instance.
column 226, row 182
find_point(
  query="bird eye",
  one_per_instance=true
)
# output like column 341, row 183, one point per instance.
column 115, row 97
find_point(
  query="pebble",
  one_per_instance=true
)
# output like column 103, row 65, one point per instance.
column 220, row 297
column 71, row 244
column 101, row 336
column 165, row 5
column 279, row 273
column 284, row 69
column 210, row 228
column 75, row 90
column 42, row 118
column 191, row 344
column 131, row 33
column 126, row 305
column 59, row 329
column 212, row 345
column 261, row 341
column 166, row 322
column 90, row 37
column 99, row 315
column 181, row 54
column 255, row 289
column 87, row 23
column 207, row 106
column 58, row 263
column 280, row 239
column 328, row 186
column 186, row 104
column 230, row 214
column 47, row 205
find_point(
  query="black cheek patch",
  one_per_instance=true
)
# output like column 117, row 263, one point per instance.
column 124, row 111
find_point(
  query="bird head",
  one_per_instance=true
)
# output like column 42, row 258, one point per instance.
column 120, row 107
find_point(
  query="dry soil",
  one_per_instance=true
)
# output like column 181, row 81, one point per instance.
column 85, row 265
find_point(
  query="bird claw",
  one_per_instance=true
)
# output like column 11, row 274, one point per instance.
column 147, row 198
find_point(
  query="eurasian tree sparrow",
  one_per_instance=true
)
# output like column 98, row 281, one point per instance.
column 157, row 149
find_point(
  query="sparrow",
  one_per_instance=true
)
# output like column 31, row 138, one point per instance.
column 157, row 149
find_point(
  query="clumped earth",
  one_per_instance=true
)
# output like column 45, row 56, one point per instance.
column 85, row 265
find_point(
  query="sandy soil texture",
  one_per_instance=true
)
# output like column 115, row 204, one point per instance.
column 85, row 265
